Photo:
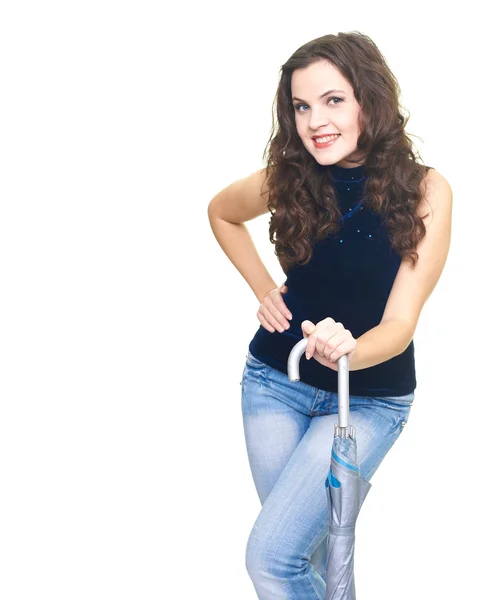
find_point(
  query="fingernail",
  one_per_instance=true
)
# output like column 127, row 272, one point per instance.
column 308, row 356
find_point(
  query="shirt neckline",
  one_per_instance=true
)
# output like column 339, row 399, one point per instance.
column 347, row 174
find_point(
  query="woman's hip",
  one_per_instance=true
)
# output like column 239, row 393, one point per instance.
column 264, row 388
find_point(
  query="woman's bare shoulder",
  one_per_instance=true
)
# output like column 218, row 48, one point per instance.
column 436, row 191
column 242, row 200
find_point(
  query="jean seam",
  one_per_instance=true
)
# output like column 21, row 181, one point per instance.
column 315, row 402
column 399, row 430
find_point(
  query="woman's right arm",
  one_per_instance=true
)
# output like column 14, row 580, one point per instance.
column 239, row 202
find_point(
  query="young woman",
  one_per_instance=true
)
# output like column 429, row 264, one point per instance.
column 362, row 231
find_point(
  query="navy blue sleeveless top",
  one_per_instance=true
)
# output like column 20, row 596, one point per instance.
column 348, row 278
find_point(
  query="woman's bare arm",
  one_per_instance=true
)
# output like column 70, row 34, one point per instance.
column 242, row 201
column 412, row 286
column 411, row 289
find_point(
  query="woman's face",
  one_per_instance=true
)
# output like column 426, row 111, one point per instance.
column 326, row 114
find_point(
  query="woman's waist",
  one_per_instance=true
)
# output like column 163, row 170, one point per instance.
column 393, row 377
column 357, row 317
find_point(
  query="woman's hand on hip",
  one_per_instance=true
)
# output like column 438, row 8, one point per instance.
column 273, row 314
column 328, row 341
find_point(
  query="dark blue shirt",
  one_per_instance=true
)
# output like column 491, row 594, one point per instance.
column 348, row 278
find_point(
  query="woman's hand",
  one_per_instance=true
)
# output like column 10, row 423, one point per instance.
column 328, row 341
column 273, row 313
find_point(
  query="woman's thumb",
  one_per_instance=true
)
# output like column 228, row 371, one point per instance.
column 283, row 289
column 308, row 328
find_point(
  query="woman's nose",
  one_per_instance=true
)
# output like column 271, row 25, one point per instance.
column 318, row 118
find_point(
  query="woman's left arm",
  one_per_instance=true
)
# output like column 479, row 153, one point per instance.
column 412, row 287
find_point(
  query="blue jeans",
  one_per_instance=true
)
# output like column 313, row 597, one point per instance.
column 289, row 431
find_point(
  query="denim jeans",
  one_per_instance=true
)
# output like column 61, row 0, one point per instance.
column 289, row 431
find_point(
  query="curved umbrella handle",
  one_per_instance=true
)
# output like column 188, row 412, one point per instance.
column 343, row 379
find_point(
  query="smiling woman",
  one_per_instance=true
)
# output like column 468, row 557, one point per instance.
column 361, row 229
column 322, row 119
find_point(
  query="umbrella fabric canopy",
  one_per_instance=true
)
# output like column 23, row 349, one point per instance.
column 346, row 492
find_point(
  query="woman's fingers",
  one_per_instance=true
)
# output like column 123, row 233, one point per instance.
column 269, row 318
column 264, row 322
column 328, row 339
column 309, row 329
column 279, row 302
column 274, row 304
column 274, row 312
column 346, row 347
column 318, row 335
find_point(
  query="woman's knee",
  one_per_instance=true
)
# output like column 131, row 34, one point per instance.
column 269, row 557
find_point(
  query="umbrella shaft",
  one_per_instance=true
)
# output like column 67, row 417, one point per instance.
column 343, row 392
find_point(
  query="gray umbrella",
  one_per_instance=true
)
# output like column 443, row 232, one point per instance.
column 345, row 489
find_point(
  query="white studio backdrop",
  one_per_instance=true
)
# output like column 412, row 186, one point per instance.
column 124, row 327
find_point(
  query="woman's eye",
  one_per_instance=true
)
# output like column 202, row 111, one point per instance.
column 299, row 106
column 304, row 107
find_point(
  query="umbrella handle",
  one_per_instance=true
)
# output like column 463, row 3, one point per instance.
column 343, row 379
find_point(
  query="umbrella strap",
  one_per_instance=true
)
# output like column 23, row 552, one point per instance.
column 343, row 531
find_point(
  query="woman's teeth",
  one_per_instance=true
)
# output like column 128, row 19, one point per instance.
column 327, row 138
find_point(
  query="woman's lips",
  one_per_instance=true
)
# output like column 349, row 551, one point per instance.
column 326, row 144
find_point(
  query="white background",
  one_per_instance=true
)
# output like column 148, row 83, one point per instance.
column 124, row 327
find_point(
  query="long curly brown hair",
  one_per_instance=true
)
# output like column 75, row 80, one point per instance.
column 301, row 196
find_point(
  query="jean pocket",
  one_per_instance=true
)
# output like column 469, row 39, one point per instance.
column 395, row 401
column 397, row 408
